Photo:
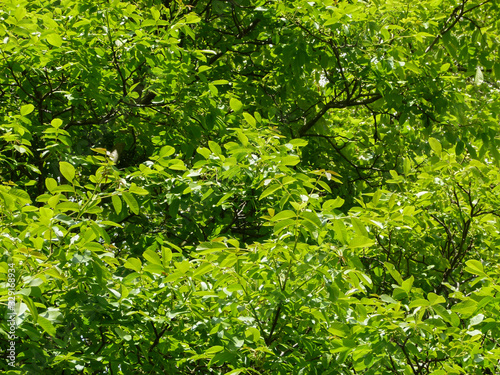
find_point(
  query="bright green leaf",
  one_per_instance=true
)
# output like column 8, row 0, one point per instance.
column 55, row 40
column 435, row 145
column 235, row 104
column 67, row 170
column 131, row 202
column 117, row 203
column 152, row 256
column 46, row 325
column 27, row 109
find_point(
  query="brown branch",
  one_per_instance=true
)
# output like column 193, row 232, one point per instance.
column 115, row 59
column 157, row 335
column 403, row 348
column 342, row 104
column 97, row 121
column 456, row 18
column 269, row 338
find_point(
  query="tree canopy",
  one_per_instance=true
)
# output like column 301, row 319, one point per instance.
column 250, row 186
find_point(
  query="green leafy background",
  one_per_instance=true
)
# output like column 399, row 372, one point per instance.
column 250, row 186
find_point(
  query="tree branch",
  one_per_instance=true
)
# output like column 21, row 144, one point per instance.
column 342, row 104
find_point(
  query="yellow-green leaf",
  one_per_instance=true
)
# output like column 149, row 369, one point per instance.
column 151, row 256
column 360, row 241
column 465, row 308
column 131, row 202
column 55, row 40
column 27, row 109
column 67, row 170
column 134, row 189
column 271, row 189
column 283, row 215
column 250, row 119
column 311, row 217
column 475, row 267
column 214, row 147
column 235, row 104
column 436, row 146
column 46, row 325
column 133, row 264
column 117, row 203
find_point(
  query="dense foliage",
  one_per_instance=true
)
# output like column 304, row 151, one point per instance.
column 250, row 186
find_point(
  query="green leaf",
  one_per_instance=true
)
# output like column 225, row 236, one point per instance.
column 419, row 302
column 67, row 170
column 271, row 189
column 183, row 266
column 166, row 256
column 152, row 256
column 94, row 247
column 340, row 231
column 214, row 349
column 465, row 308
column 155, row 13
column 235, row 104
column 55, row 40
column 192, row 18
column 476, row 320
column 46, row 325
column 166, row 151
column 56, row 123
column 359, row 227
column 290, row 160
column 21, row 196
column 31, row 305
column 388, row 299
column 445, row 67
column 156, row 269
column 478, row 78
column 215, row 148
column 333, row 203
column 249, row 118
column 224, row 198
column 117, row 203
column 134, row 189
column 27, row 109
column 459, row 148
column 361, row 241
column 311, row 217
column 395, row 274
column 298, row 142
column 122, row 334
column 399, row 294
column 203, row 151
column 407, row 284
column 176, row 165
column 203, row 269
column 283, row 215
column 338, row 329
column 435, row 145
column 439, row 372
column 237, row 371
column 51, row 184
column 131, row 202
column 475, row 267
column 283, row 224
column 325, row 186
column 133, row 264
column 442, row 312
column 496, row 68
column 242, row 137
column 434, row 299
column 252, row 334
